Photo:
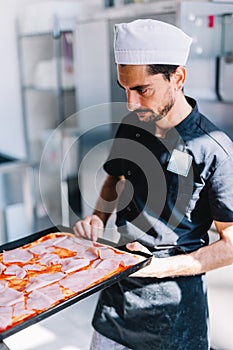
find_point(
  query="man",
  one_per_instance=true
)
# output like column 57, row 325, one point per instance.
column 169, row 176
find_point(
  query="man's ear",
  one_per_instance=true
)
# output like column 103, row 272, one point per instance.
column 180, row 77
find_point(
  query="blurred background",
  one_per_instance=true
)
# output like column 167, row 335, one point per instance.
column 59, row 102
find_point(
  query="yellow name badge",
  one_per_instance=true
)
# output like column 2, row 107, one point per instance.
column 180, row 162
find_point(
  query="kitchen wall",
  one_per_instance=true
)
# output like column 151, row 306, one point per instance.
column 11, row 129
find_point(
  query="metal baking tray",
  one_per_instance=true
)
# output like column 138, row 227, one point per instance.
column 91, row 290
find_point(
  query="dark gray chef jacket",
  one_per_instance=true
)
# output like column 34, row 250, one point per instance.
column 175, row 187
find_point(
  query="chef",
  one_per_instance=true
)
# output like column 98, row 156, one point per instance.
column 169, row 178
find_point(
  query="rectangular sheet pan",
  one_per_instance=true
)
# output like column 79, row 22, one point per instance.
column 62, row 305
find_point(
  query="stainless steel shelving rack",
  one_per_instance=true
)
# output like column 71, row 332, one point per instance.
column 57, row 93
column 55, row 35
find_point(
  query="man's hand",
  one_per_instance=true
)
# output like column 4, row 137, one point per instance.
column 91, row 227
column 147, row 271
column 138, row 247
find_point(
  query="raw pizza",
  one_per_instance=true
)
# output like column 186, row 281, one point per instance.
column 57, row 266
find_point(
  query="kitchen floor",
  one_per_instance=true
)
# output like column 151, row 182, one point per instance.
column 70, row 329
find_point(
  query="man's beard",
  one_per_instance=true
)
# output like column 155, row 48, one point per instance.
column 155, row 117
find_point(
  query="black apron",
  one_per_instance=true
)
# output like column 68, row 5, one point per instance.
column 155, row 314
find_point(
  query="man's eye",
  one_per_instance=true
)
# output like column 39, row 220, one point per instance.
column 144, row 92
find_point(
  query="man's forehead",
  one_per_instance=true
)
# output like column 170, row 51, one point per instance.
column 132, row 70
column 135, row 75
column 139, row 67
column 134, row 87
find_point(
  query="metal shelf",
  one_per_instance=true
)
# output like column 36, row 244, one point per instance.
column 55, row 35
column 56, row 95
column 45, row 33
column 48, row 89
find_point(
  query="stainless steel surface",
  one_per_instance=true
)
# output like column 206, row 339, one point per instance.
column 205, row 25
column 224, row 64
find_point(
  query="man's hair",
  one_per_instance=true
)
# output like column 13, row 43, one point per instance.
column 164, row 69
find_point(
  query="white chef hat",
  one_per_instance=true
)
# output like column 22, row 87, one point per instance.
column 148, row 41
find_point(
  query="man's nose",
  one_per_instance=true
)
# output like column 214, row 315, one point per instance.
column 133, row 101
